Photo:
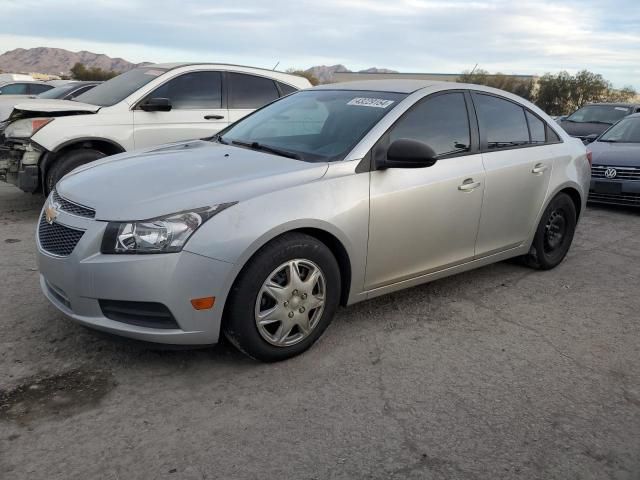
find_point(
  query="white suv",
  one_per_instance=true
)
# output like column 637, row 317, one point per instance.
column 144, row 107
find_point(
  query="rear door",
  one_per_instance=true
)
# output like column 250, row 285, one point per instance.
column 518, row 156
column 246, row 92
column 197, row 110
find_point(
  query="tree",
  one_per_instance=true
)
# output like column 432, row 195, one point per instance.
column 302, row 73
column 564, row 93
column 523, row 87
column 80, row 72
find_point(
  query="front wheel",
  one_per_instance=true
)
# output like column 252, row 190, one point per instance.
column 554, row 234
column 284, row 298
column 68, row 162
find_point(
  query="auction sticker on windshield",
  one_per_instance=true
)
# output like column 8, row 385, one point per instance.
column 370, row 102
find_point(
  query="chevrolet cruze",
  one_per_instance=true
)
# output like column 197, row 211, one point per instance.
column 328, row 196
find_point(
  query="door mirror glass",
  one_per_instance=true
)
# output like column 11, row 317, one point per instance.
column 156, row 105
column 407, row 153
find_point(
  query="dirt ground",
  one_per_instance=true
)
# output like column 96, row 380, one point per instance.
column 502, row 372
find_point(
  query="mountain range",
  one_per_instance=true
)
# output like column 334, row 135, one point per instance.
column 57, row 61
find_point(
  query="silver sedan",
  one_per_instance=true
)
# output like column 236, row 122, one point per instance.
column 328, row 196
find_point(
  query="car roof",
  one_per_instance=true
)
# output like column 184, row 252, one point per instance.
column 9, row 82
column 614, row 104
column 171, row 66
column 386, row 85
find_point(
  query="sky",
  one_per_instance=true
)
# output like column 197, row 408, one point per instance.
column 520, row 37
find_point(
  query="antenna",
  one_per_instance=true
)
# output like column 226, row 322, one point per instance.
column 472, row 70
column 276, row 66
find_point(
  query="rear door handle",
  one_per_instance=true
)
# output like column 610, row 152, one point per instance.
column 213, row 117
column 539, row 169
column 468, row 185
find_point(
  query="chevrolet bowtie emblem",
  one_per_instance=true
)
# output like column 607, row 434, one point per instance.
column 51, row 212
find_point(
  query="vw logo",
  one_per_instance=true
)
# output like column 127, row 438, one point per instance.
column 610, row 173
column 51, row 212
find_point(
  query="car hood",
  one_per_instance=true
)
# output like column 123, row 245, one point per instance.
column 179, row 177
column 615, row 154
column 583, row 129
column 7, row 102
column 56, row 106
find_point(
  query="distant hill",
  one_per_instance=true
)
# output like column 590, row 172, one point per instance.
column 325, row 73
column 57, row 61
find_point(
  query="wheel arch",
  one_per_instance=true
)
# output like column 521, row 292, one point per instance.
column 330, row 239
column 106, row 146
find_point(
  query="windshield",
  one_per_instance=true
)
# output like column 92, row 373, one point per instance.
column 315, row 126
column 599, row 114
column 120, row 87
column 58, row 92
column 625, row 131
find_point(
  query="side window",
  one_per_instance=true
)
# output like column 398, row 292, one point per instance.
column 552, row 136
column 441, row 122
column 36, row 88
column 79, row 91
column 502, row 122
column 14, row 89
column 286, row 89
column 195, row 90
column 249, row 91
column 536, row 129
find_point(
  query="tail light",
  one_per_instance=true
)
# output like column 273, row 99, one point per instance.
column 589, row 157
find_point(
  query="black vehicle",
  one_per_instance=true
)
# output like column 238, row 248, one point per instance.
column 588, row 122
column 615, row 175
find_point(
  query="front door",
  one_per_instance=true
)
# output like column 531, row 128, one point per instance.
column 196, row 110
column 426, row 219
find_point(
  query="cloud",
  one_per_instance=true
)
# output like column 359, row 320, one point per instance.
column 527, row 36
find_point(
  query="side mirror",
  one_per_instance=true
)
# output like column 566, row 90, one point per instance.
column 156, row 105
column 590, row 138
column 406, row 153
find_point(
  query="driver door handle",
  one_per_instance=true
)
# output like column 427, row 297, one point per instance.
column 468, row 185
column 539, row 168
column 213, row 117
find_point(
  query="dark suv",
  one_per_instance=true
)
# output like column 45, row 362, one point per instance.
column 588, row 122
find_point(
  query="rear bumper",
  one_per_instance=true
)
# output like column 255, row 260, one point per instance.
column 77, row 283
column 615, row 192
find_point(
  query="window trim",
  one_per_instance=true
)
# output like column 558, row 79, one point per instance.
column 482, row 136
column 136, row 106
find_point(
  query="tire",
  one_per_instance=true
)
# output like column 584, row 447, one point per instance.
column 261, row 335
column 67, row 162
column 553, row 235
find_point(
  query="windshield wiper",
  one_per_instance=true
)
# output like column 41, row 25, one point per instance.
column 267, row 148
column 608, row 141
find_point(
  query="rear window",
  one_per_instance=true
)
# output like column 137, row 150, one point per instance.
column 118, row 88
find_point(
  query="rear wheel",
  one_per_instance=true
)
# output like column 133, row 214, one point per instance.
column 284, row 298
column 68, row 162
column 554, row 234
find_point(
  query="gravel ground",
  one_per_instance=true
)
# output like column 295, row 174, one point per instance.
column 502, row 372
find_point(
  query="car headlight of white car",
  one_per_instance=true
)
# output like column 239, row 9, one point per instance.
column 167, row 234
column 26, row 128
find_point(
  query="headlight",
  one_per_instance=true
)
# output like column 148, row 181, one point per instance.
column 159, row 235
column 26, row 128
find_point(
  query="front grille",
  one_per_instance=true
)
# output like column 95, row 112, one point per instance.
column 622, row 173
column 57, row 239
column 73, row 208
column 632, row 199
column 141, row 314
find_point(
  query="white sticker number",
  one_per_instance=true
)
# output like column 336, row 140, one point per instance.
column 370, row 102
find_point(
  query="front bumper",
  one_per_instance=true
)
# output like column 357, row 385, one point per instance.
column 615, row 192
column 19, row 164
column 75, row 284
